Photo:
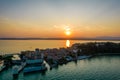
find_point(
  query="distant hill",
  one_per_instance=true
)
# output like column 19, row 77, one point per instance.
column 96, row 38
column 108, row 38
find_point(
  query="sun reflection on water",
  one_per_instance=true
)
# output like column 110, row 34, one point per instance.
column 67, row 43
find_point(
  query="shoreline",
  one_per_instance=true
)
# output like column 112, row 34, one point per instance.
column 99, row 39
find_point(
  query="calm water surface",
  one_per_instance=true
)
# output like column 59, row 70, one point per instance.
column 97, row 68
column 15, row 46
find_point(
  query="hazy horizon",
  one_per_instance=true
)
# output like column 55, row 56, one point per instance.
column 60, row 38
column 59, row 18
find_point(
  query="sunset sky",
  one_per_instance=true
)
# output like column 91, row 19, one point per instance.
column 59, row 18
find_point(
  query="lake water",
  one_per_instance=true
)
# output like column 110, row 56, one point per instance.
column 96, row 68
column 15, row 46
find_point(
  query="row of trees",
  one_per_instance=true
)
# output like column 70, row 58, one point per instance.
column 94, row 48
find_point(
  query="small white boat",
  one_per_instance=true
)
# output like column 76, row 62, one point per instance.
column 69, row 58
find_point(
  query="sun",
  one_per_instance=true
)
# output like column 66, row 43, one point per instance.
column 68, row 32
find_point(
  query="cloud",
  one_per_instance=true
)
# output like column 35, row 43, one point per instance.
column 62, row 27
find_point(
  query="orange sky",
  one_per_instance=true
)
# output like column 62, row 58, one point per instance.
column 53, row 19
